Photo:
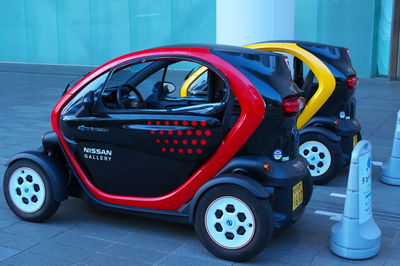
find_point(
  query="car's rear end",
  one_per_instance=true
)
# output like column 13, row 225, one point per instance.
column 340, row 109
column 271, row 154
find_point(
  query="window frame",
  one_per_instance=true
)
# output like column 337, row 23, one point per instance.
column 100, row 108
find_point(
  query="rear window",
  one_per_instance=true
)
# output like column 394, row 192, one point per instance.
column 269, row 72
column 337, row 59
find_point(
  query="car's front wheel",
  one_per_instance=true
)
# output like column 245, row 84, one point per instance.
column 232, row 223
column 323, row 156
column 28, row 191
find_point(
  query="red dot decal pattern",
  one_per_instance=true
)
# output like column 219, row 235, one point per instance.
column 192, row 132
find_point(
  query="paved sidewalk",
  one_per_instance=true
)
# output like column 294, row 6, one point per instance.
column 81, row 234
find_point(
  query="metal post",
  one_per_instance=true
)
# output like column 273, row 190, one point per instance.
column 394, row 42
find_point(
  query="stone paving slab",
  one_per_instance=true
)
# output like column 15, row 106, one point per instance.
column 79, row 234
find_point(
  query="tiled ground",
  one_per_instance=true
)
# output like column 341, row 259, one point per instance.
column 81, row 234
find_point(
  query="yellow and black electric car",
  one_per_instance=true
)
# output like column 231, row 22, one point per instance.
column 329, row 129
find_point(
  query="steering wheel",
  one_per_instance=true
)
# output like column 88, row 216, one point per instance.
column 127, row 101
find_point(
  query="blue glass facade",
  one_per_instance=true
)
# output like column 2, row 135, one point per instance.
column 90, row 32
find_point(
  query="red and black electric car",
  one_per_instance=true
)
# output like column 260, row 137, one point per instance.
column 124, row 137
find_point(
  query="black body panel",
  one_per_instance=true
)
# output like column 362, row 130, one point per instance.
column 142, row 155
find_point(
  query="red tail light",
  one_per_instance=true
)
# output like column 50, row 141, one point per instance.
column 292, row 106
column 352, row 81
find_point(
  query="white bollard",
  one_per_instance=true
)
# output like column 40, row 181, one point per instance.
column 357, row 236
column 391, row 168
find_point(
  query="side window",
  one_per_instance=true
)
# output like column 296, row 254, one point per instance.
column 142, row 77
column 91, row 93
column 157, row 85
column 199, row 87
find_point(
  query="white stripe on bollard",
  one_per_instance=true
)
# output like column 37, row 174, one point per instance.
column 337, row 195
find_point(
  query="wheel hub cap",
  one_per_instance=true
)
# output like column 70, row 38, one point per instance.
column 230, row 222
column 27, row 190
column 317, row 155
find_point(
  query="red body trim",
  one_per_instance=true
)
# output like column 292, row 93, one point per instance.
column 252, row 113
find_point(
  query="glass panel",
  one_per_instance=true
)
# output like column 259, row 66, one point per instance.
column 317, row 21
column 91, row 32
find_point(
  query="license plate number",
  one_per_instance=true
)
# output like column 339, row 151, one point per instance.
column 297, row 195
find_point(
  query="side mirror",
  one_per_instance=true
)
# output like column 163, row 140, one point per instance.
column 169, row 87
column 88, row 102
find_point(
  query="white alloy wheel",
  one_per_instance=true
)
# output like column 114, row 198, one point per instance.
column 27, row 190
column 229, row 222
column 317, row 155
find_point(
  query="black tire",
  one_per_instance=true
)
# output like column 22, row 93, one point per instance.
column 335, row 153
column 263, row 220
column 49, row 206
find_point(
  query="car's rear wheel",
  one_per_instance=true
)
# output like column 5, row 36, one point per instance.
column 232, row 223
column 323, row 156
column 28, row 191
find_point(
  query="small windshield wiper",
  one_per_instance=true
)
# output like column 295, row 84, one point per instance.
column 73, row 82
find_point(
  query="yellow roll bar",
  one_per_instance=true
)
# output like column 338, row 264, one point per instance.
column 325, row 78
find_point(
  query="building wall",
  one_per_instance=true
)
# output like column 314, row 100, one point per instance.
column 91, row 32
column 348, row 23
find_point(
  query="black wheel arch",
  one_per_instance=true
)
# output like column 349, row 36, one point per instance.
column 242, row 181
column 321, row 130
column 51, row 167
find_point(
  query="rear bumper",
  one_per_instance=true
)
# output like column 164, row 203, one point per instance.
column 344, row 131
column 350, row 133
column 282, row 184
